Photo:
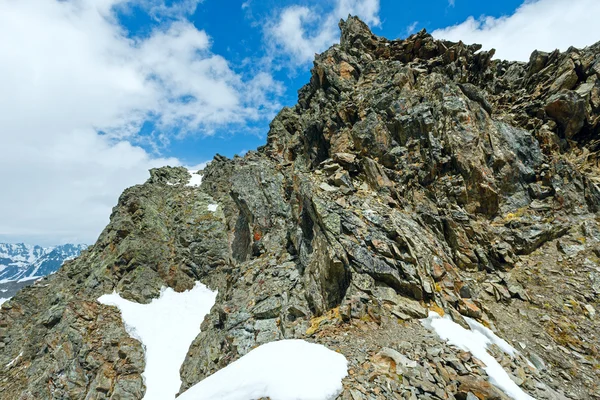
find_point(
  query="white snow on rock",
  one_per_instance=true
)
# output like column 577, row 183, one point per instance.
column 477, row 341
column 3, row 300
column 283, row 370
column 212, row 207
column 10, row 364
column 498, row 341
column 195, row 179
column 30, row 278
column 166, row 327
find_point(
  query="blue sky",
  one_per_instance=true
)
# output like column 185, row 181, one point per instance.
column 237, row 34
column 96, row 92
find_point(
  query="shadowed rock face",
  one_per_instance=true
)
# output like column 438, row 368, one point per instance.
column 412, row 174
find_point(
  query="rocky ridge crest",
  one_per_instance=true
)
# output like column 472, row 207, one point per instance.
column 412, row 175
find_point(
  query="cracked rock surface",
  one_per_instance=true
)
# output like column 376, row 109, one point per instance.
column 412, row 175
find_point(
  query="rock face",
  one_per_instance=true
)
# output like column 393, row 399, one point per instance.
column 412, row 175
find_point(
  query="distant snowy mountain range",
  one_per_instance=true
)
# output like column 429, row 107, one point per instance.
column 22, row 262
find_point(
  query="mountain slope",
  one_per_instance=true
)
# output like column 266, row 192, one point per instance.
column 21, row 261
column 15, row 258
column 413, row 176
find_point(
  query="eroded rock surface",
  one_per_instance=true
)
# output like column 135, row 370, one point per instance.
column 412, row 175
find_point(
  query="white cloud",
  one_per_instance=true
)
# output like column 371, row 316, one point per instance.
column 368, row 10
column 63, row 190
column 68, row 71
column 301, row 31
column 543, row 25
column 412, row 28
column 160, row 9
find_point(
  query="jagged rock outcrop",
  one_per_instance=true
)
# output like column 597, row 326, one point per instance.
column 412, row 174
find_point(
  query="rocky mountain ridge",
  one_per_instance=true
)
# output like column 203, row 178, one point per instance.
column 412, row 175
column 22, row 261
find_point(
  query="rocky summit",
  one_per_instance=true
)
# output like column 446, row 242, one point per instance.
column 413, row 176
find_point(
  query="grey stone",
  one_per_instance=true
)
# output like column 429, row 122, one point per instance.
column 568, row 109
column 268, row 308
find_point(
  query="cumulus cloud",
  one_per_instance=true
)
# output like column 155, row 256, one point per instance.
column 301, row 31
column 543, row 24
column 197, row 90
column 75, row 92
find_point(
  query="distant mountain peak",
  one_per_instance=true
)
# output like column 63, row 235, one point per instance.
column 20, row 261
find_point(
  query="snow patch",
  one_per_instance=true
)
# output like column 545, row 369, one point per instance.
column 498, row 341
column 195, row 179
column 29, row 278
column 166, row 327
column 212, row 207
column 3, row 300
column 10, row 364
column 476, row 341
column 283, row 370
